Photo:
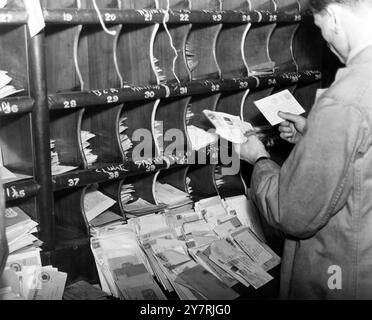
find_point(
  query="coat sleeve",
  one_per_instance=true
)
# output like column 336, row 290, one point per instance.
column 313, row 184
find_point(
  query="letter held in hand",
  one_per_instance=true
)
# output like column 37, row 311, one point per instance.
column 283, row 101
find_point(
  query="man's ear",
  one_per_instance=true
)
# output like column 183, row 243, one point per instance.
column 333, row 11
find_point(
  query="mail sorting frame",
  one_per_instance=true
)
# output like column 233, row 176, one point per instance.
column 87, row 176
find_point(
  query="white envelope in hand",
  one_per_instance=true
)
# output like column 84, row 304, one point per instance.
column 283, row 101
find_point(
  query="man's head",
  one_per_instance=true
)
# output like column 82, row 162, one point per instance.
column 345, row 24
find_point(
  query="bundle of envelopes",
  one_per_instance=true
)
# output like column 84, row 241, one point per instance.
column 24, row 277
column 135, row 206
column 200, row 138
column 127, row 193
column 126, row 143
column 172, row 197
column 19, row 229
column 122, row 266
column 97, row 210
column 202, row 254
column 174, row 268
column 189, row 114
column 263, row 69
column 158, row 135
column 190, row 190
column 120, row 262
column 229, row 127
column 57, row 168
column 91, row 158
column 6, row 89
column 199, row 253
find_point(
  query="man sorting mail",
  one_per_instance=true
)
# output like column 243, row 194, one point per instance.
column 321, row 196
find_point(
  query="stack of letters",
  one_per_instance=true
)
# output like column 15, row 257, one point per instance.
column 135, row 206
column 96, row 209
column 19, row 229
column 122, row 267
column 57, row 168
column 200, row 253
column 126, row 143
column 172, row 197
column 6, row 89
column 88, row 152
column 24, row 277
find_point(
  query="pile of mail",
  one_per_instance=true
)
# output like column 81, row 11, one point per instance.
column 158, row 136
column 86, row 136
column 160, row 75
column 262, row 69
column 191, row 56
column 189, row 114
column 57, row 168
column 122, row 266
column 6, row 89
column 19, row 229
column 24, row 277
column 190, row 190
column 199, row 253
column 135, row 206
column 96, row 209
column 126, row 143
column 229, row 127
column 199, row 138
column 127, row 193
column 202, row 254
column 118, row 257
column 172, row 197
column 171, row 262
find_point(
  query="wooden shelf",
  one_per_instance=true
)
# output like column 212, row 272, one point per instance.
column 71, row 16
column 16, row 105
column 116, row 16
column 111, row 172
column 20, row 190
column 13, row 16
column 128, row 93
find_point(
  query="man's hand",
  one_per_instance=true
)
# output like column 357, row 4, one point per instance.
column 252, row 150
column 293, row 128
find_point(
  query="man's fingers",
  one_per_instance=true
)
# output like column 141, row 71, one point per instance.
column 289, row 116
column 286, row 136
column 285, row 129
column 286, row 123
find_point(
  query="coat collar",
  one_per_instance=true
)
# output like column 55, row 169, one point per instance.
column 363, row 57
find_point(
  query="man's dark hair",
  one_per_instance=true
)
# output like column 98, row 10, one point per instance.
column 320, row 5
